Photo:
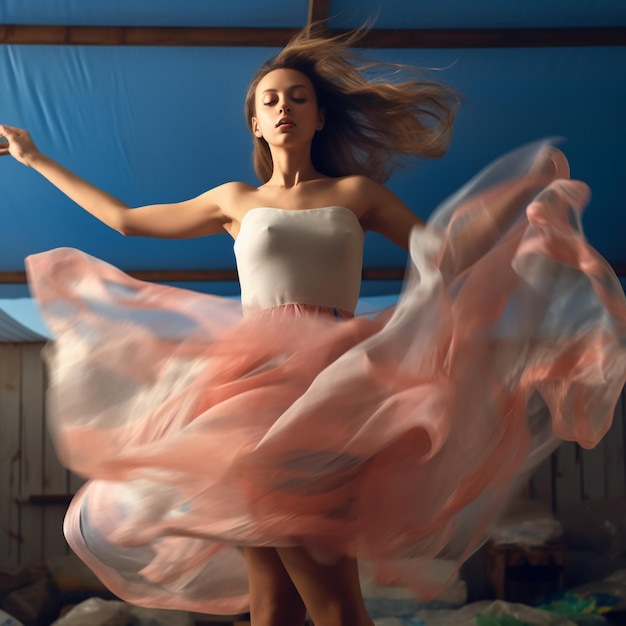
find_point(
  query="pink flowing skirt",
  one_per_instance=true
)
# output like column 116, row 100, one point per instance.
column 394, row 439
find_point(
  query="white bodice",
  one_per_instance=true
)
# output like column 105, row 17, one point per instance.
column 309, row 256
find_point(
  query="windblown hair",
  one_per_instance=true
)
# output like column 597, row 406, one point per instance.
column 371, row 123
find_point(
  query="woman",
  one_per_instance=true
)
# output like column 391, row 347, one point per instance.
column 300, row 436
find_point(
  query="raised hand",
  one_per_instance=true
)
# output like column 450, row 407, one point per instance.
column 18, row 143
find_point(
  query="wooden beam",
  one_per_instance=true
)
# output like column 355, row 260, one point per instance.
column 46, row 499
column 277, row 37
column 496, row 38
column 12, row 278
column 144, row 36
column 197, row 276
column 317, row 18
column 174, row 276
column 383, row 273
column 182, row 276
column 230, row 275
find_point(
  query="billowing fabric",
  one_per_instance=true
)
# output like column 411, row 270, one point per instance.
column 396, row 439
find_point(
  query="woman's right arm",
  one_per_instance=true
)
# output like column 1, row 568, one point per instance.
column 196, row 217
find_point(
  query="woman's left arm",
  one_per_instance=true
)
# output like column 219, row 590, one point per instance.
column 386, row 214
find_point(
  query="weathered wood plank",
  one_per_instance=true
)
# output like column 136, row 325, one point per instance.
column 542, row 483
column 32, row 440
column 593, row 467
column 622, row 403
column 56, row 482
column 75, row 482
column 568, row 477
column 10, row 375
column 615, row 446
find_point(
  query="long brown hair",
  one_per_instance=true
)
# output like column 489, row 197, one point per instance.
column 370, row 123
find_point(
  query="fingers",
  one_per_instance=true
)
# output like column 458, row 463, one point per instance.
column 5, row 135
column 17, row 143
column 6, row 131
column 4, row 140
column 9, row 133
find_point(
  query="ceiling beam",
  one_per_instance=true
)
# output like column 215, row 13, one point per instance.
column 317, row 19
column 497, row 38
column 277, row 37
column 144, row 36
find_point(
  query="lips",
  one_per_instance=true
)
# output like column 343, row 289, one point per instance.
column 285, row 121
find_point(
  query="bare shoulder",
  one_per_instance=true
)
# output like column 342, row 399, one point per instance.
column 365, row 193
column 379, row 209
column 228, row 194
column 370, row 196
column 358, row 185
column 229, row 198
column 236, row 199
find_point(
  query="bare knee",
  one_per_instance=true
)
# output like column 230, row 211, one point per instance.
column 332, row 593
column 274, row 600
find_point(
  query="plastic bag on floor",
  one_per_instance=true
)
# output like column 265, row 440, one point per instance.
column 29, row 595
column 385, row 601
column 527, row 523
column 98, row 612
column 75, row 581
column 8, row 620
column 602, row 597
column 486, row 613
column 501, row 613
column 160, row 617
column 598, row 525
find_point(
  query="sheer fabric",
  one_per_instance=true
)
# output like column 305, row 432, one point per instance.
column 395, row 438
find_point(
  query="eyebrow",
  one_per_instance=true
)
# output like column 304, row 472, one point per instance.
column 290, row 87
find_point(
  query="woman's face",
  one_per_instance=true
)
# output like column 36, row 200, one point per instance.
column 286, row 109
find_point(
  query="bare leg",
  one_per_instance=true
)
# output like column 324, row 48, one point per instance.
column 332, row 593
column 274, row 600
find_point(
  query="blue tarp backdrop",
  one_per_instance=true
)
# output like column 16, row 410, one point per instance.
column 161, row 124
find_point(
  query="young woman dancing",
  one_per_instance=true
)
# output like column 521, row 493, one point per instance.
column 261, row 461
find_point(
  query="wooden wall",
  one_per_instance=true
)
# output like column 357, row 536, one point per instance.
column 573, row 474
column 34, row 488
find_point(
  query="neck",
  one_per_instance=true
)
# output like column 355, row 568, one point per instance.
column 291, row 169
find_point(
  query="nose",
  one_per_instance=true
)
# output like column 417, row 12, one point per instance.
column 284, row 107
